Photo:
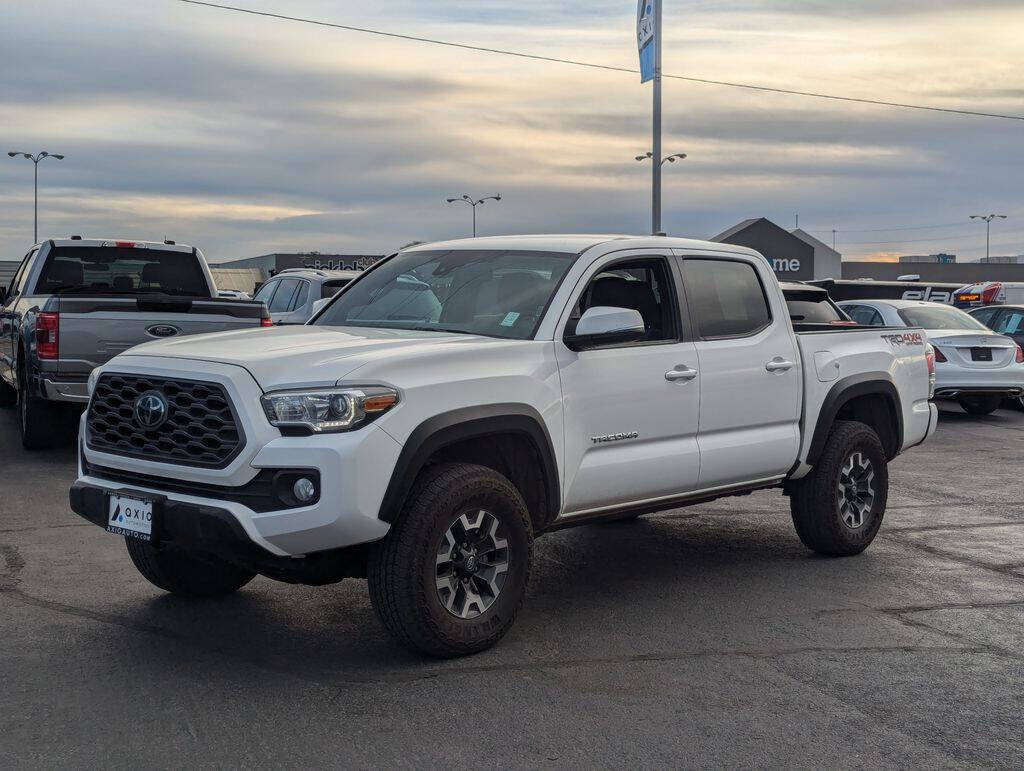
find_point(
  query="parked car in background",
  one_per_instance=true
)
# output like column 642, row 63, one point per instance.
column 989, row 293
column 810, row 306
column 75, row 303
column 291, row 293
column 973, row 364
column 461, row 398
column 1004, row 320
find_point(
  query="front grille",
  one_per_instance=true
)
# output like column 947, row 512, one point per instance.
column 201, row 428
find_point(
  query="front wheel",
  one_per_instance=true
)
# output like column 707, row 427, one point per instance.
column 981, row 405
column 451, row 575
column 838, row 508
column 180, row 572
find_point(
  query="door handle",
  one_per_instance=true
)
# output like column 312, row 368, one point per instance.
column 681, row 372
column 778, row 365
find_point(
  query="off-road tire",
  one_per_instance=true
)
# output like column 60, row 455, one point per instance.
column 984, row 404
column 8, row 395
column 179, row 572
column 402, row 573
column 814, row 500
column 39, row 421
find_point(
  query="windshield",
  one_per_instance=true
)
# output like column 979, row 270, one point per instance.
column 492, row 293
column 939, row 317
column 121, row 270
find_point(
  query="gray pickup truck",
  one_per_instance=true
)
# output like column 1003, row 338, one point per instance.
column 75, row 303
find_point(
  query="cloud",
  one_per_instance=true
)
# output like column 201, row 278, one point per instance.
column 246, row 135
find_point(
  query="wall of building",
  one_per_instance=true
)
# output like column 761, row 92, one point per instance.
column 790, row 258
column 959, row 272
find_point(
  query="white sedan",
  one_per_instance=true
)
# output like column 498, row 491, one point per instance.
column 973, row 364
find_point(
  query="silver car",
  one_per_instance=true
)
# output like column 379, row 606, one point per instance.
column 291, row 294
column 973, row 364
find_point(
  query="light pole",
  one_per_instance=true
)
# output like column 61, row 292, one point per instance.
column 474, row 204
column 35, row 163
column 656, row 208
column 667, row 159
column 988, row 227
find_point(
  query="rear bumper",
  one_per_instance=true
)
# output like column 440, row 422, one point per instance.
column 951, row 392
column 952, row 380
column 65, row 391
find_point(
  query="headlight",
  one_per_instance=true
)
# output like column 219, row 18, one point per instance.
column 328, row 410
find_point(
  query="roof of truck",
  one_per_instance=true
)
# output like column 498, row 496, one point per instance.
column 576, row 243
column 93, row 242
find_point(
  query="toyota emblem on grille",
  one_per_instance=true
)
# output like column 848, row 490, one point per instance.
column 162, row 330
column 150, row 410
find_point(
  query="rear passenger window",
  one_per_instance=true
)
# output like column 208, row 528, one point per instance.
column 864, row 315
column 300, row 296
column 726, row 296
column 282, row 301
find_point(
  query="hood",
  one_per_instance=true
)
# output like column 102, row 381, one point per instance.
column 299, row 356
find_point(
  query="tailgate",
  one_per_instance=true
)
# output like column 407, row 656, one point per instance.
column 94, row 330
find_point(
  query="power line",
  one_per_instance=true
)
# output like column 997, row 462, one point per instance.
column 595, row 66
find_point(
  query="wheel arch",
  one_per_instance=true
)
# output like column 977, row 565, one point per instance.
column 510, row 438
column 871, row 398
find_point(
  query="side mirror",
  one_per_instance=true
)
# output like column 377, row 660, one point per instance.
column 600, row 325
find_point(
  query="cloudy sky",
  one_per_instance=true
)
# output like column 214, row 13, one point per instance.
column 247, row 135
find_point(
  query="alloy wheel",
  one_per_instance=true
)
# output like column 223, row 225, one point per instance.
column 472, row 564
column 856, row 490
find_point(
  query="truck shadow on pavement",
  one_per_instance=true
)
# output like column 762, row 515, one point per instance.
column 597, row 593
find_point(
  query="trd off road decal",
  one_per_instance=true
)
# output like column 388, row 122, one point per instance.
column 909, row 338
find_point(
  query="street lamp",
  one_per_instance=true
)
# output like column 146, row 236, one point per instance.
column 657, row 186
column 667, row 159
column 35, row 162
column 988, row 227
column 474, row 204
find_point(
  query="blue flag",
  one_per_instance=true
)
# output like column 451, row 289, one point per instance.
column 645, row 38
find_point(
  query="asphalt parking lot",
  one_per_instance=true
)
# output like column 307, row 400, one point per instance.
column 706, row 636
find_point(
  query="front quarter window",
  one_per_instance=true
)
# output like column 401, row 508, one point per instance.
column 496, row 293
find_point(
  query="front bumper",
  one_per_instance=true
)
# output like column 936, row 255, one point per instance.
column 354, row 469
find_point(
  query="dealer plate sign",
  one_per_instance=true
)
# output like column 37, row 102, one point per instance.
column 130, row 517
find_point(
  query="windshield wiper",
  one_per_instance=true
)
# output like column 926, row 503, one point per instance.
column 440, row 329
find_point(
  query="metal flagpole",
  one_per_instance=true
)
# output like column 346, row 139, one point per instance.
column 656, row 148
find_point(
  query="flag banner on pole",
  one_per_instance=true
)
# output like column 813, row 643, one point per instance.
column 645, row 38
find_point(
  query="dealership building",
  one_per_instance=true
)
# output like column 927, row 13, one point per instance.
column 795, row 255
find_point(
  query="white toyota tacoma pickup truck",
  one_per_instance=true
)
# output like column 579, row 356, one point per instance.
column 460, row 398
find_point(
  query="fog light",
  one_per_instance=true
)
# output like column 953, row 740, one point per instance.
column 304, row 490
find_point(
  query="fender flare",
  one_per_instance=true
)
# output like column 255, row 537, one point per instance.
column 841, row 393
column 448, row 428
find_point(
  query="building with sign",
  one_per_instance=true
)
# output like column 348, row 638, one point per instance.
column 794, row 255
column 278, row 261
